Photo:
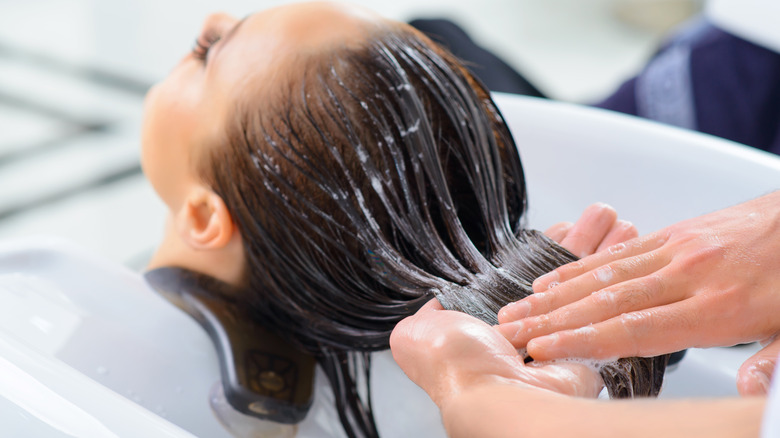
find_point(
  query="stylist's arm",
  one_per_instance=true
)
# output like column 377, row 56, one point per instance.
column 709, row 281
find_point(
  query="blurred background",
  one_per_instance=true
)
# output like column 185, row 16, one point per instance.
column 73, row 74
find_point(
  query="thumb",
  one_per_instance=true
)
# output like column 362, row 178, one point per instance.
column 755, row 374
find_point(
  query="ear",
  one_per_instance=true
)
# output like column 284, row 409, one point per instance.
column 204, row 221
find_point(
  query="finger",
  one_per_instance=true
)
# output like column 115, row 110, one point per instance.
column 649, row 332
column 639, row 294
column 620, row 232
column 755, row 374
column 573, row 379
column 583, row 286
column 558, row 231
column 590, row 229
column 619, row 251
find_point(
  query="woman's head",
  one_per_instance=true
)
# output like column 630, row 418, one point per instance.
column 342, row 170
column 360, row 167
column 186, row 114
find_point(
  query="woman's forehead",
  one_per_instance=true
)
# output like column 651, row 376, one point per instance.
column 317, row 25
column 259, row 53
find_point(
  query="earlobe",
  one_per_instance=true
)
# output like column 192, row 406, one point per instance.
column 204, row 221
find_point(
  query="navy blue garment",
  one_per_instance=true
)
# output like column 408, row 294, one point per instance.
column 711, row 81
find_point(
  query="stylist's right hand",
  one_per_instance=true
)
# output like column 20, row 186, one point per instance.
column 446, row 352
column 709, row 281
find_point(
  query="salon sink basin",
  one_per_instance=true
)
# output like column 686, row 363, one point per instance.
column 87, row 349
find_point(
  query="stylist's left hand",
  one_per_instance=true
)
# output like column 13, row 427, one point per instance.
column 708, row 281
column 444, row 352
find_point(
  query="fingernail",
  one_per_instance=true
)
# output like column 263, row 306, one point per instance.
column 517, row 310
column 545, row 342
column 761, row 379
column 550, row 277
column 510, row 330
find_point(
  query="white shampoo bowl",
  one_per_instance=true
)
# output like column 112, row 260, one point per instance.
column 654, row 175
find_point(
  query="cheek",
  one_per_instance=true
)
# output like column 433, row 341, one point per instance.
column 165, row 144
column 153, row 138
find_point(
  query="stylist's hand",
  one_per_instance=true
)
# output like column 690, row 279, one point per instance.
column 709, row 281
column 597, row 229
column 446, row 352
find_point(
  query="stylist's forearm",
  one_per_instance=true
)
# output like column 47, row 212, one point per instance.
column 503, row 410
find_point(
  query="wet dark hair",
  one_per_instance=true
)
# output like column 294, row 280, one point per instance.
column 378, row 177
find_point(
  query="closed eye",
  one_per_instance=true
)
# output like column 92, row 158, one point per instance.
column 207, row 38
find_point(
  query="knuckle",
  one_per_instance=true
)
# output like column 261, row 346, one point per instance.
column 604, row 274
column 705, row 253
column 654, row 284
column 634, row 299
column 540, row 324
column 731, row 294
column 617, row 248
column 660, row 238
column 604, row 299
column 541, row 321
column 542, row 302
column 558, row 318
column 636, row 325
column 622, row 268
column 585, row 335
column 683, row 319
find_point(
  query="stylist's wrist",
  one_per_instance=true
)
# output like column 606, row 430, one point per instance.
column 502, row 408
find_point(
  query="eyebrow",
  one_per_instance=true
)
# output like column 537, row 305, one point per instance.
column 224, row 40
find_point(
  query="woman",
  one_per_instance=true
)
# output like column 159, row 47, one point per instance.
column 340, row 170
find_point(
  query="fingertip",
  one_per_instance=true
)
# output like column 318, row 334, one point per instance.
column 603, row 210
column 628, row 227
column 580, row 342
column 623, row 230
column 431, row 306
column 606, row 206
column 753, row 382
column 754, row 376
column 514, row 311
column 544, row 348
column 509, row 331
column 558, row 231
column 505, row 315
column 546, row 281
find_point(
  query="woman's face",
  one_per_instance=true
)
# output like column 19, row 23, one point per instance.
column 233, row 61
